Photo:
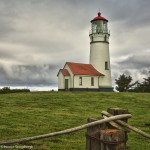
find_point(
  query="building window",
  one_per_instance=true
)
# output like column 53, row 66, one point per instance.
column 106, row 65
column 80, row 80
column 92, row 81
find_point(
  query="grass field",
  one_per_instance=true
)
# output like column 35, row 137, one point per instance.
column 31, row 114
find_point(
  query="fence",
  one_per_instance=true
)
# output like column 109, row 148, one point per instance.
column 105, row 133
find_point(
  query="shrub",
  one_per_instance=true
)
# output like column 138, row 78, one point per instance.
column 6, row 90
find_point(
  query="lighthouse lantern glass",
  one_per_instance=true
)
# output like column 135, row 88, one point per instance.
column 99, row 26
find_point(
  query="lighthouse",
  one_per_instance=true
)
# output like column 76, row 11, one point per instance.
column 95, row 76
column 99, row 50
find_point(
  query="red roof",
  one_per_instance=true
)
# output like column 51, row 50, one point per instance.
column 99, row 17
column 64, row 72
column 83, row 69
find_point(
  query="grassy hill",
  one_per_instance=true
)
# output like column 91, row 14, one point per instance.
column 31, row 114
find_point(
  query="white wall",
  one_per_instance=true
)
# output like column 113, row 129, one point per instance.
column 86, row 81
column 60, row 81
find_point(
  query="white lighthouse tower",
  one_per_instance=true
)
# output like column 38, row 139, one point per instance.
column 99, row 51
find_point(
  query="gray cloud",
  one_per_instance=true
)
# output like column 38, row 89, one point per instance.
column 28, row 75
column 136, row 61
column 136, row 65
column 34, row 33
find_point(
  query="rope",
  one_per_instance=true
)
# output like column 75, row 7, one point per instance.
column 64, row 131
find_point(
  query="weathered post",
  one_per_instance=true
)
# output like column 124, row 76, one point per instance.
column 118, row 111
column 92, row 138
column 105, row 136
column 112, row 139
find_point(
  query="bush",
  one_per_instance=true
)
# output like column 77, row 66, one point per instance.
column 6, row 90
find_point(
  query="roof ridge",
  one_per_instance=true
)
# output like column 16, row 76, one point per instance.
column 75, row 62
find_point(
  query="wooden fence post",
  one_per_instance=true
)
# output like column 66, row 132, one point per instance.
column 112, row 139
column 91, row 135
column 118, row 111
column 105, row 136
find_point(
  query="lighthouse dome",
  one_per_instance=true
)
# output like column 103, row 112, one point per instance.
column 99, row 17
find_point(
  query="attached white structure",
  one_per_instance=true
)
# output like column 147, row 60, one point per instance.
column 95, row 76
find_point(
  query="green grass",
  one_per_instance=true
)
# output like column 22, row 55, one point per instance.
column 31, row 114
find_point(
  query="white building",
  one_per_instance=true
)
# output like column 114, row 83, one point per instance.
column 95, row 76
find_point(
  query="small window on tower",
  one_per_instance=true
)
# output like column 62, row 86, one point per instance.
column 105, row 38
column 106, row 65
column 91, row 38
column 92, row 81
column 80, row 80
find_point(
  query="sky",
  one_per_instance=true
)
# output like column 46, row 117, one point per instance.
column 37, row 37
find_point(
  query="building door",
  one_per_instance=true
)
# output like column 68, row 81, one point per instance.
column 66, row 83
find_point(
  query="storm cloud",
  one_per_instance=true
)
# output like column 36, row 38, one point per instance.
column 38, row 37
